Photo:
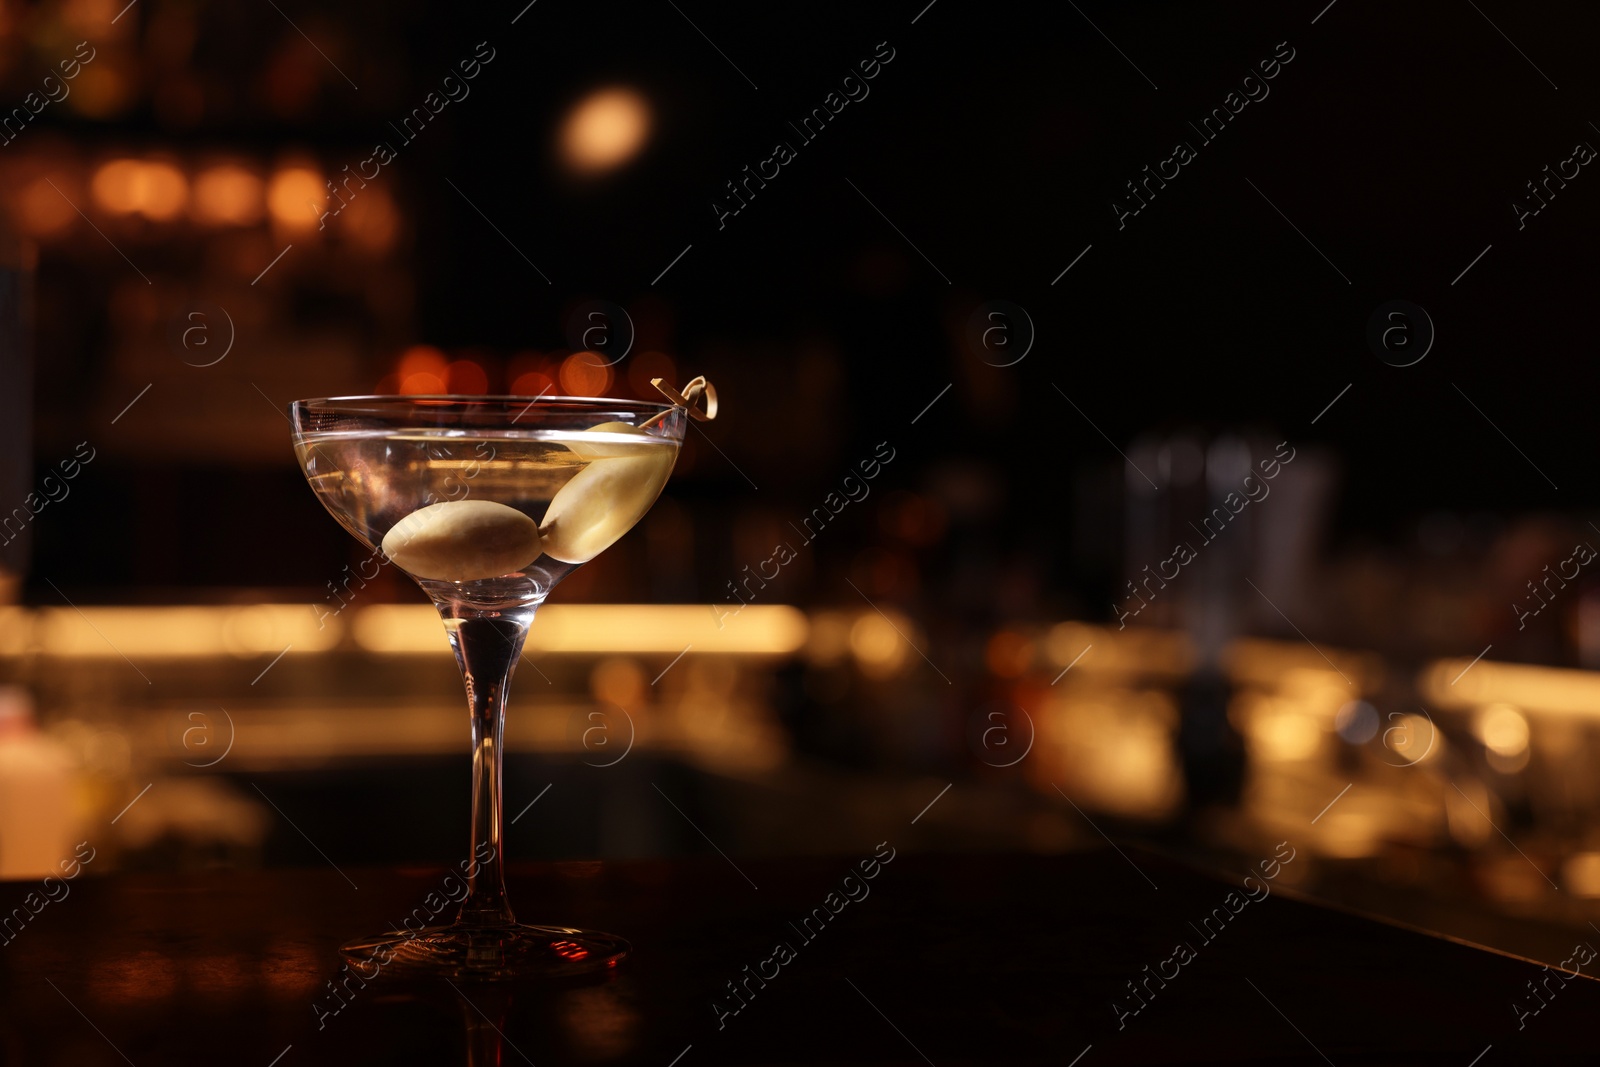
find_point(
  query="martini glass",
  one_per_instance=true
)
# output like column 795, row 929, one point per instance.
column 487, row 503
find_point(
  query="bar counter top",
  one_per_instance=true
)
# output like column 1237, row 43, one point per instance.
column 1076, row 959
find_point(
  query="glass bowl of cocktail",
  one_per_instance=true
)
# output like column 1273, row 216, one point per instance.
column 488, row 503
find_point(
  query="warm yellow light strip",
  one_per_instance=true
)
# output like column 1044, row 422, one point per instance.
column 243, row 631
column 1538, row 689
column 1140, row 650
column 772, row 629
column 268, row 629
column 1145, row 650
column 16, row 631
column 1265, row 662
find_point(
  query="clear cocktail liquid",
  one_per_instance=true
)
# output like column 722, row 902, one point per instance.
column 372, row 479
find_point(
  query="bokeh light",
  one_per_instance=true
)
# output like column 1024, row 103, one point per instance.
column 876, row 644
column 532, row 383
column 163, row 191
column 372, row 220
column 41, row 210
column 585, row 374
column 423, row 371
column 1502, row 729
column 156, row 190
column 228, row 195
column 620, row 680
column 466, row 378
column 296, row 197
column 605, row 130
column 1357, row 722
column 1504, row 732
column 1581, row 874
column 115, row 186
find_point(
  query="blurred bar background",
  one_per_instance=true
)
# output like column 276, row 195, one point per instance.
column 999, row 608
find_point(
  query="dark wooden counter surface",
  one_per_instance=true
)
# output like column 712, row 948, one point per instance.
column 946, row 960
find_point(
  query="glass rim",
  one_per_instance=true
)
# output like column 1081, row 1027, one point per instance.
column 459, row 398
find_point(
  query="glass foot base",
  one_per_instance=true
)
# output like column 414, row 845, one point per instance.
column 485, row 953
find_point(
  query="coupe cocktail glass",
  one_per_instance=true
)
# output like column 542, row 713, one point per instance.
column 487, row 503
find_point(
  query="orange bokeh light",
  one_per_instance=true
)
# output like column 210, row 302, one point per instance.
column 423, row 358
column 228, row 195
column 466, row 378
column 128, row 186
column 372, row 220
column 423, row 370
column 585, row 374
column 533, row 383
column 605, row 130
column 114, row 186
column 163, row 190
column 422, row 384
column 41, row 210
column 296, row 197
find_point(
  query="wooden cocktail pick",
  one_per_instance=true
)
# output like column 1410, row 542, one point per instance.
column 696, row 390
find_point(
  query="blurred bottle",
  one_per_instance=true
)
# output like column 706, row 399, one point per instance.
column 35, row 792
column 16, row 405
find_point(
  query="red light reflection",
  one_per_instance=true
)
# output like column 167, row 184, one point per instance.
column 569, row 950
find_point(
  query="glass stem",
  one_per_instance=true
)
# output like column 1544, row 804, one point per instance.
column 488, row 644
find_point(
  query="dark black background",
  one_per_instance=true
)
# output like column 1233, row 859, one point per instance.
column 996, row 140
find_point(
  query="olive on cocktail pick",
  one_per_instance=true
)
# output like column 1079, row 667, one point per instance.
column 605, row 499
column 462, row 541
